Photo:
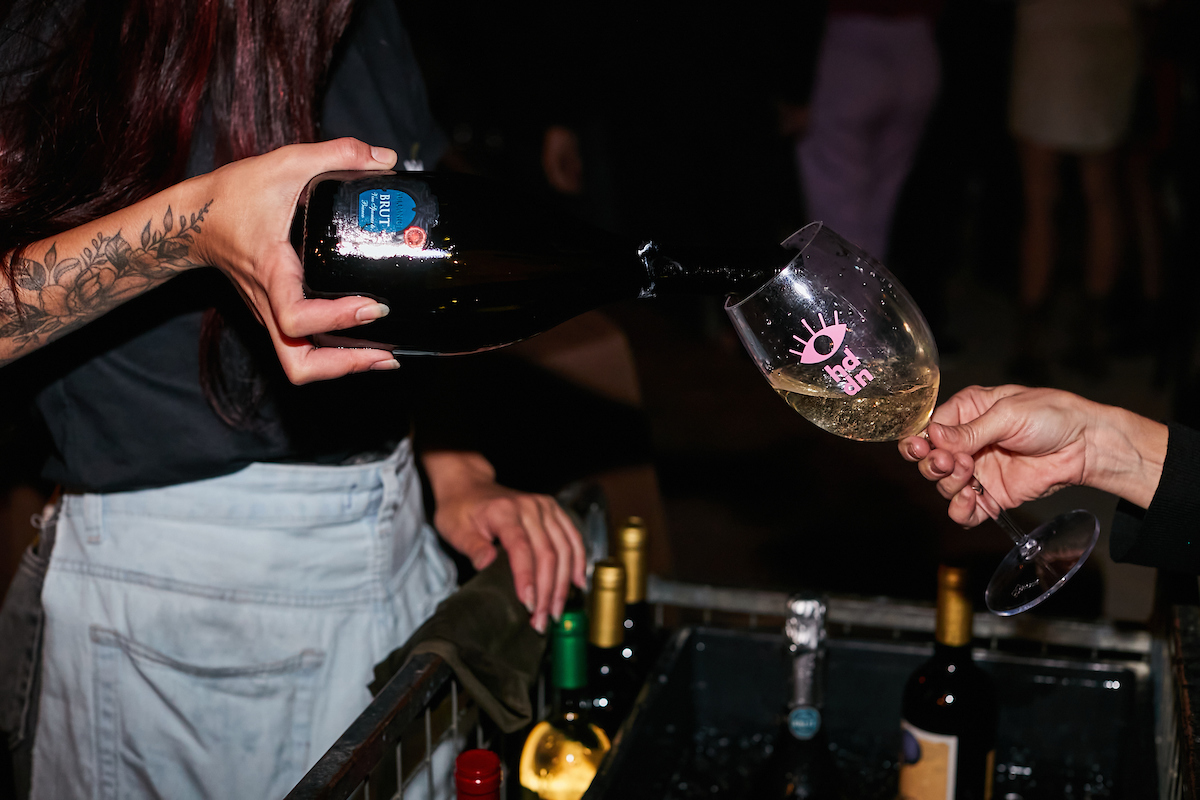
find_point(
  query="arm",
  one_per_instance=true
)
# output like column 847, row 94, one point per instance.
column 1027, row 443
column 473, row 511
column 236, row 218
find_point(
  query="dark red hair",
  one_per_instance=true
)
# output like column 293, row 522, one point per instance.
column 99, row 100
column 103, row 115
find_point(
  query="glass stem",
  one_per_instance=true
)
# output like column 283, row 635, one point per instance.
column 1028, row 546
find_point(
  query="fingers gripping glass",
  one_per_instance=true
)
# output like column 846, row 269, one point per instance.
column 841, row 341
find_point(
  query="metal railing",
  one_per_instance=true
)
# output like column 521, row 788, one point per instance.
column 391, row 745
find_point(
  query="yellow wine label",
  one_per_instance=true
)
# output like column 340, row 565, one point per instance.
column 928, row 764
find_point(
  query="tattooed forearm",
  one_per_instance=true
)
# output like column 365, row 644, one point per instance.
column 55, row 295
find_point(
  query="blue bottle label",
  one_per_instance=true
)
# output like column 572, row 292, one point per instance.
column 385, row 210
column 804, row 722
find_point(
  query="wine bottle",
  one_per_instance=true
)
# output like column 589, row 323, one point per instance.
column 563, row 751
column 948, row 730
column 641, row 643
column 466, row 264
column 611, row 682
column 477, row 775
column 801, row 764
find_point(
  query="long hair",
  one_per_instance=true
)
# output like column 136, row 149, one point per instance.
column 99, row 100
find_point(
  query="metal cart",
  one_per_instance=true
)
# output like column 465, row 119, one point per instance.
column 1143, row 682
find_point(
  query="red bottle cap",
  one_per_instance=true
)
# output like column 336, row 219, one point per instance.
column 477, row 773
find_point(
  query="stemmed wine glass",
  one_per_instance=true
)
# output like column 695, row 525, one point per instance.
column 841, row 341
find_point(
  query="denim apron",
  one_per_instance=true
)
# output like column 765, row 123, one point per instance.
column 213, row 639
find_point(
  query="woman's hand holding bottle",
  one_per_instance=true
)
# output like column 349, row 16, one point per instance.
column 247, row 236
column 236, row 218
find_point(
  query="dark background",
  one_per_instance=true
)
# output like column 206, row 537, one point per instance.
column 676, row 109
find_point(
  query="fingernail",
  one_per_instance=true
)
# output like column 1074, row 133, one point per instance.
column 527, row 599
column 539, row 623
column 383, row 155
column 390, row 363
column 557, row 610
column 372, row 312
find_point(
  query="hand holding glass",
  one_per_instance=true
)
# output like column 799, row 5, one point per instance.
column 838, row 338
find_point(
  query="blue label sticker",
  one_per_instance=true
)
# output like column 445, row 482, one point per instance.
column 804, row 722
column 385, row 210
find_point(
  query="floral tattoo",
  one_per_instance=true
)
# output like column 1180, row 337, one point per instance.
column 58, row 295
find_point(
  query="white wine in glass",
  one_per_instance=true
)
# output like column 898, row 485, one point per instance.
column 838, row 338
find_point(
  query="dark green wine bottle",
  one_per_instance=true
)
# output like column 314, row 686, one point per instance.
column 562, row 752
column 466, row 264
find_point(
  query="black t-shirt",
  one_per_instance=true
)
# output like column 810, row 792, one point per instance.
column 124, row 404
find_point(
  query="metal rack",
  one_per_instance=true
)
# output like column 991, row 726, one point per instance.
column 388, row 752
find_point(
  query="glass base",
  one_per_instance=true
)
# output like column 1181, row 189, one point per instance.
column 1060, row 547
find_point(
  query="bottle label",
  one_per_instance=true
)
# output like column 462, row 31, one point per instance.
column 395, row 213
column 804, row 722
column 385, row 210
column 928, row 765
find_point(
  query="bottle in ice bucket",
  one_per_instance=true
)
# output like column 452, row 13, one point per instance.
column 948, row 730
column 477, row 775
column 801, row 765
column 466, row 264
column 640, row 639
column 563, row 751
column 611, row 682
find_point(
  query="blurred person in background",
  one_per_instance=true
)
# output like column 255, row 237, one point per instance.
column 877, row 76
column 1075, row 71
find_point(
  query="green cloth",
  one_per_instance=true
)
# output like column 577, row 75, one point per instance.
column 482, row 631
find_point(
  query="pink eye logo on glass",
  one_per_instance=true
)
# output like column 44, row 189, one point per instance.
column 849, row 382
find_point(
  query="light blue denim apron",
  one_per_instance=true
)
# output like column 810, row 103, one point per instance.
column 212, row 639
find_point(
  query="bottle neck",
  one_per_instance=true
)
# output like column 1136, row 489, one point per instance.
column 635, row 575
column 952, row 654
column 954, row 618
column 568, row 652
column 807, row 678
column 572, row 704
column 710, row 270
column 607, row 623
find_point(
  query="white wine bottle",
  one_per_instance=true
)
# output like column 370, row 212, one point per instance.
column 466, row 264
column 562, row 752
column 641, row 641
column 801, row 765
column 948, row 730
column 611, row 681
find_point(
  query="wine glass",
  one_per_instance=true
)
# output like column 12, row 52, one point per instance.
column 841, row 341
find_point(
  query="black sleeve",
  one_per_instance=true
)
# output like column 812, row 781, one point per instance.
column 376, row 92
column 1167, row 534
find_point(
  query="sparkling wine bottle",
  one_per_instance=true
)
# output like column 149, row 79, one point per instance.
column 467, row 264
column 611, row 682
column 477, row 775
column 563, row 751
column 948, row 730
column 641, row 642
column 801, row 765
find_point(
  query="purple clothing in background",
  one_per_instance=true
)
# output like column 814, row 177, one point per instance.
column 877, row 78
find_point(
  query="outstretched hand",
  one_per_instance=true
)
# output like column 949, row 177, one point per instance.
column 1021, row 443
column 246, row 236
column 473, row 512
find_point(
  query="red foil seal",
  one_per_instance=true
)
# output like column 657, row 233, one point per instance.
column 477, row 774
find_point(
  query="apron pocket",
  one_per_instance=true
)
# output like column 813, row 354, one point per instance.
column 166, row 728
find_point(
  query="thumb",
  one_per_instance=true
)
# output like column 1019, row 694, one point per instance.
column 479, row 551
column 965, row 438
